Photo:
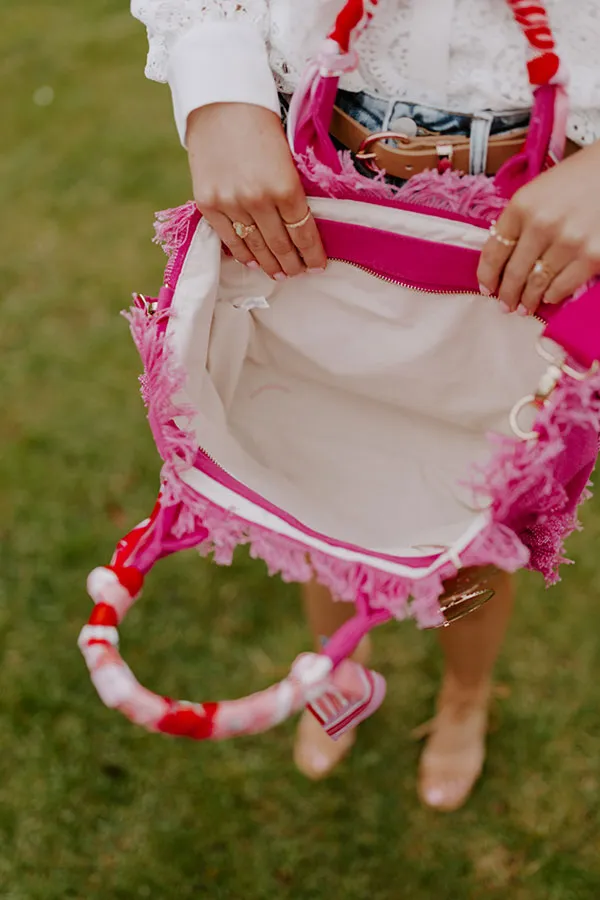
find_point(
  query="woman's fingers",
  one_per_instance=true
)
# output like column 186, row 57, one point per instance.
column 253, row 247
column 546, row 269
column 568, row 281
column 302, row 228
column 519, row 268
column 497, row 250
column 224, row 228
column 272, row 232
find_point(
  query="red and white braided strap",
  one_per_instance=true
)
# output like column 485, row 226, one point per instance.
column 544, row 65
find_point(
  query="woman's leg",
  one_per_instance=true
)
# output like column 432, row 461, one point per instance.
column 315, row 753
column 323, row 614
column 453, row 757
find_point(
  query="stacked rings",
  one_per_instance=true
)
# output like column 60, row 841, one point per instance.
column 506, row 242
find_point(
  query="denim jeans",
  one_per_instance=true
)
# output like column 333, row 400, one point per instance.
column 414, row 119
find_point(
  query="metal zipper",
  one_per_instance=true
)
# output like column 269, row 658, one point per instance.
column 411, row 287
column 402, row 284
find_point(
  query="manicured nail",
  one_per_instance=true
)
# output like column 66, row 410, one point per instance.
column 485, row 291
column 253, row 264
column 504, row 307
column 316, row 271
column 280, row 276
column 522, row 310
column 435, row 796
column 319, row 762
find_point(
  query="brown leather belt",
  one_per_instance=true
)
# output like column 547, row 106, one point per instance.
column 409, row 156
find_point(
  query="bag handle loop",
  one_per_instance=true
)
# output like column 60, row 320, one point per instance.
column 312, row 104
column 340, row 692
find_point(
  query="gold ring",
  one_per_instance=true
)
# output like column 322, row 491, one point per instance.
column 542, row 268
column 506, row 242
column 300, row 223
column 242, row 230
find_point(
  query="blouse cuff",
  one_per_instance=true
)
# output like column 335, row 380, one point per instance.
column 220, row 62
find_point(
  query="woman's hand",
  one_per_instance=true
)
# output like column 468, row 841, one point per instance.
column 243, row 172
column 547, row 241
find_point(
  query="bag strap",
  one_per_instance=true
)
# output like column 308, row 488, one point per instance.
column 312, row 104
column 341, row 693
column 531, row 16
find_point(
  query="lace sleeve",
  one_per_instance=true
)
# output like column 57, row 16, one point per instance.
column 168, row 20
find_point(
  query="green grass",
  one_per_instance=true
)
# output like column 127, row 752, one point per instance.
column 93, row 808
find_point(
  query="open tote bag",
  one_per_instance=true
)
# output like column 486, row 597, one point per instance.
column 380, row 427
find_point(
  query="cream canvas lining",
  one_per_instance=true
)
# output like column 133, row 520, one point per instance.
column 357, row 406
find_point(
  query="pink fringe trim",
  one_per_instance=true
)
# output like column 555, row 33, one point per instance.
column 523, row 477
column 159, row 385
column 296, row 562
column 171, row 227
column 472, row 196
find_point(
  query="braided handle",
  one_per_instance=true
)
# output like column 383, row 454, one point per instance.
column 340, row 688
column 543, row 66
column 311, row 108
column 340, row 697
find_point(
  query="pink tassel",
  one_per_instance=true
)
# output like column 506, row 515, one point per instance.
column 171, row 226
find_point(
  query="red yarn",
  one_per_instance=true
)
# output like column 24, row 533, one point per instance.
column 542, row 69
column 103, row 614
column 533, row 19
column 184, row 721
column 529, row 14
column 349, row 19
column 130, row 577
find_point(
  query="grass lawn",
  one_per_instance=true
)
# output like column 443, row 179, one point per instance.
column 94, row 809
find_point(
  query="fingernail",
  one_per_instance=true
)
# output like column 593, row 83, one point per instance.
column 504, row 307
column 319, row 762
column 522, row 310
column 435, row 796
column 253, row 264
column 485, row 291
column 280, row 276
column 316, row 271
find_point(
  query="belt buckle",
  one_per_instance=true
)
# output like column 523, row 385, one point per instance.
column 368, row 157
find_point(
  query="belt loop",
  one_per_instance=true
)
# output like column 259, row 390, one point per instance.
column 481, row 126
column 385, row 125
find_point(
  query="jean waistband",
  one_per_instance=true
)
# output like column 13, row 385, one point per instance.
column 379, row 114
column 414, row 119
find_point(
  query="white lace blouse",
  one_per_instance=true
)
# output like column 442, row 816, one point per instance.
column 466, row 55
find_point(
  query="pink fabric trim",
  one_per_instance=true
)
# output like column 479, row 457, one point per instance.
column 542, row 136
column 472, row 199
column 297, row 562
column 402, row 258
column 536, row 486
column 575, row 325
column 205, row 465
